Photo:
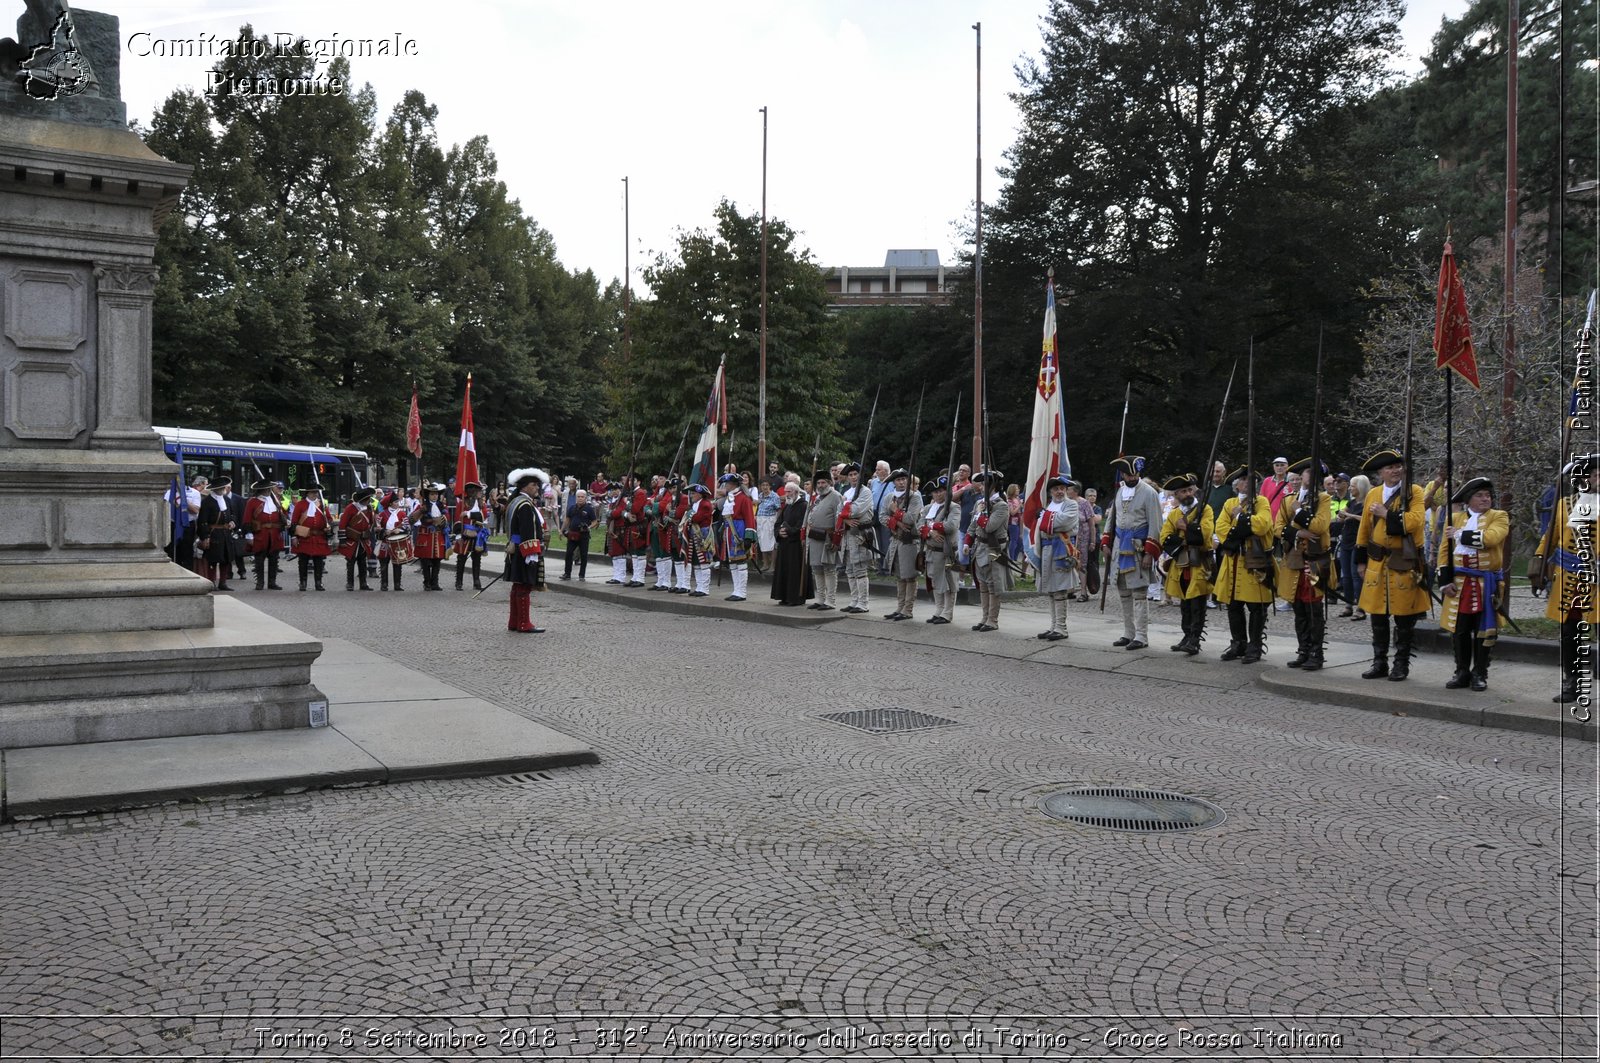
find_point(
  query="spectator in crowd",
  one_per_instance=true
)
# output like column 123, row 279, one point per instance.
column 1097, row 516
column 575, row 525
column 1087, row 535
column 1015, row 548
column 1275, row 486
column 776, row 479
column 879, row 485
column 599, row 485
column 1350, row 589
column 182, row 544
column 768, row 502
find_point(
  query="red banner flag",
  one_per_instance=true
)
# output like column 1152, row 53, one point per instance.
column 1452, row 329
column 467, row 454
column 414, row 427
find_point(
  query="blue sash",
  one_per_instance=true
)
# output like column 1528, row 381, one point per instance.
column 1127, row 553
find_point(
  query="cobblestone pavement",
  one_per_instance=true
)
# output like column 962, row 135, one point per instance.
column 740, row 875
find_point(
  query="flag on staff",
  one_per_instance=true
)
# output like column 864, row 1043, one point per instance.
column 467, row 453
column 1047, row 455
column 705, row 453
column 1452, row 329
column 414, row 426
column 180, row 497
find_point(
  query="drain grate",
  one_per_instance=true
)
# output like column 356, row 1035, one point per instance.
column 888, row 721
column 1121, row 808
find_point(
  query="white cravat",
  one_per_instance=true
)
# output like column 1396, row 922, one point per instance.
column 1470, row 524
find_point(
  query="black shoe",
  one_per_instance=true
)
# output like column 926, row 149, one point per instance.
column 1251, row 655
column 1053, row 636
column 1400, row 671
column 1480, row 683
column 1233, row 652
column 1123, row 641
column 1043, row 634
column 1458, row 681
column 1569, row 692
column 1313, row 663
column 635, row 583
column 940, row 620
column 566, row 577
column 274, row 587
column 699, row 594
column 735, row 597
column 614, row 582
column 1379, row 670
column 224, row 587
column 826, row 608
column 1181, row 647
column 1298, row 661
column 1135, row 645
column 814, row 605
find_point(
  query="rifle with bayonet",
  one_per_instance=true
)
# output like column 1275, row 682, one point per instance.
column 868, row 539
column 1110, row 535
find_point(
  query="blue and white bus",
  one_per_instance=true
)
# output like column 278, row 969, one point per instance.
column 340, row 472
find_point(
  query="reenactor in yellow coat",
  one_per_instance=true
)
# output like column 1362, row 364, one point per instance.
column 1244, row 578
column 1470, row 561
column 1186, row 540
column 1306, row 574
column 1568, row 552
column 1390, row 563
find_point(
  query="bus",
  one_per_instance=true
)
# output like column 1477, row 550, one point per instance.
column 340, row 472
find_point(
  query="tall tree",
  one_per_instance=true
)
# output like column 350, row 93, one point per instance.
column 706, row 305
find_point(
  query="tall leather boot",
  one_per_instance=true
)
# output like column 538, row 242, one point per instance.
column 383, row 575
column 1571, row 654
column 261, row 571
column 1186, row 622
column 1302, row 623
column 1237, row 633
column 1316, row 629
column 317, row 567
column 1258, row 633
column 461, row 570
column 1197, row 628
column 1404, row 626
column 517, row 591
column 361, row 573
column 272, row 573
column 477, row 572
column 350, row 574
column 398, row 570
column 1380, row 647
column 1480, row 664
column 305, row 571
column 1461, row 643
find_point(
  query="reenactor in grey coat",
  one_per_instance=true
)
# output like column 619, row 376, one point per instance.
column 938, row 528
column 1056, row 534
column 822, row 554
column 1132, row 540
column 859, row 543
column 990, row 532
column 900, row 513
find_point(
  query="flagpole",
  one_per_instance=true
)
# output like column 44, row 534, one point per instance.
column 1509, row 342
column 977, row 272
column 627, row 282
column 761, row 441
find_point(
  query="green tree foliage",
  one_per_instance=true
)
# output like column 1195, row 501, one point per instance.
column 706, row 305
column 319, row 265
column 1193, row 172
column 904, row 348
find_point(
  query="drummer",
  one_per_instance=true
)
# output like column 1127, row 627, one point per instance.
column 394, row 546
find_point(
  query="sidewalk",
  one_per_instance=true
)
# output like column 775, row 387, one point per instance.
column 1518, row 697
column 387, row 723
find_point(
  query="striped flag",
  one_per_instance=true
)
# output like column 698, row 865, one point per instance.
column 1047, row 453
column 467, row 452
column 705, row 454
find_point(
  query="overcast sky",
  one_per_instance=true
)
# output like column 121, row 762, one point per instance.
column 871, row 105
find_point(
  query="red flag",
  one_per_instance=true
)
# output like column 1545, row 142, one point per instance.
column 467, row 454
column 1452, row 329
column 414, row 427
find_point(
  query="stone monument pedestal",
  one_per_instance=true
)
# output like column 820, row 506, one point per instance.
column 102, row 637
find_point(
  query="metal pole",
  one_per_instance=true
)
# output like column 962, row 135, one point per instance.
column 761, row 441
column 1509, row 342
column 977, row 275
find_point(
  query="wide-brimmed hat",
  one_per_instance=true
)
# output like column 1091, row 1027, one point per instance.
column 730, row 478
column 221, row 484
column 1465, row 492
column 261, row 487
column 1382, row 460
column 517, row 479
column 700, row 489
column 1580, row 467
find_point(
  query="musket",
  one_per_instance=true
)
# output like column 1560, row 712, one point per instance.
column 816, row 449
column 486, row 586
column 870, row 417
column 1314, row 472
column 1111, row 529
column 1204, row 479
column 951, row 543
column 1247, row 509
column 633, row 462
column 911, row 469
column 687, row 421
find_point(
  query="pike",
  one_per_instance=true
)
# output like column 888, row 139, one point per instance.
column 1122, row 437
column 681, row 441
column 949, row 487
column 816, row 449
column 1420, row 569
column 870, row 417
column 1205, row 478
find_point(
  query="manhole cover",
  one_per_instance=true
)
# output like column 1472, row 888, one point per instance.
column 1120, row 808
column 886, row 721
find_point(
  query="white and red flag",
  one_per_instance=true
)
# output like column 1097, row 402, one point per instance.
column 705, row 454
column 1047, row 453
column 467, row 453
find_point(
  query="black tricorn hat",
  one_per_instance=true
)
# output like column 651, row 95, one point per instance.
column 221, row 484
column 1239, row 474
column 822, row 474
column 1132, row 464
column 1056, row 481
column 363, row 495
column 1382, row 460
column 261, row 487
column 849, row 467
column 991, row 476
column 1579, row 468
column 1465, row 492
column 1179, row 482
column 1305, row 463
column 899, row 473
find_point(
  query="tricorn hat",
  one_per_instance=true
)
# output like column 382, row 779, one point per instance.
column 1239, row 474
column 1056, row 481
column 1132, row 464
column 310, row 488
column 701, row 488
column 1305, row 463
column 363, row 495
column 1382, row 460
column 1179, row 482
column 849, row 467
column 1465, row 492
column 730, row 478
column 221, row 484
column 991, row 476
column 899, row 473
column 261, row 487
column 471, row 485
column 1579, row 468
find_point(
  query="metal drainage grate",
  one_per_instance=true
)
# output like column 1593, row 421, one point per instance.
column 1119, row 808
column 887, row 721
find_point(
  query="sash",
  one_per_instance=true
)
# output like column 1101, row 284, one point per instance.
column 1489, row 627
column 1127, row 553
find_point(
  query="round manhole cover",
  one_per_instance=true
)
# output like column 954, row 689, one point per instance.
column 1121, row 808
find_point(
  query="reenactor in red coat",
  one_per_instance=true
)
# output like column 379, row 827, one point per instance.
column 526, row 532
column 263, row 526
column 628, row 534
column 356, row 525
column 311, row 530
column 472, row 535
column 394, row 540
column 430, row 520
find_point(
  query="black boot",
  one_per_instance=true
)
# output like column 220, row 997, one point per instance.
column 361, row 574
column 1404, row 626
column 349, row 574
column 1316, row 627
column 461, row 571
column 398, row 569
column 1302, row 634
column 383, row 576
column 1182, row 645
column 1571, row 654
column 477, row 572
column 1197, row 628
column 316, row 572
column 272, row 573
column 305, row 571
column 1461, row 643
column 1236, row 632
column 1480, row 664
column 1258, row 633
column 261, row 571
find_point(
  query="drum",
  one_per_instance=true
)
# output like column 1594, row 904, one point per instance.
column 400, row 548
